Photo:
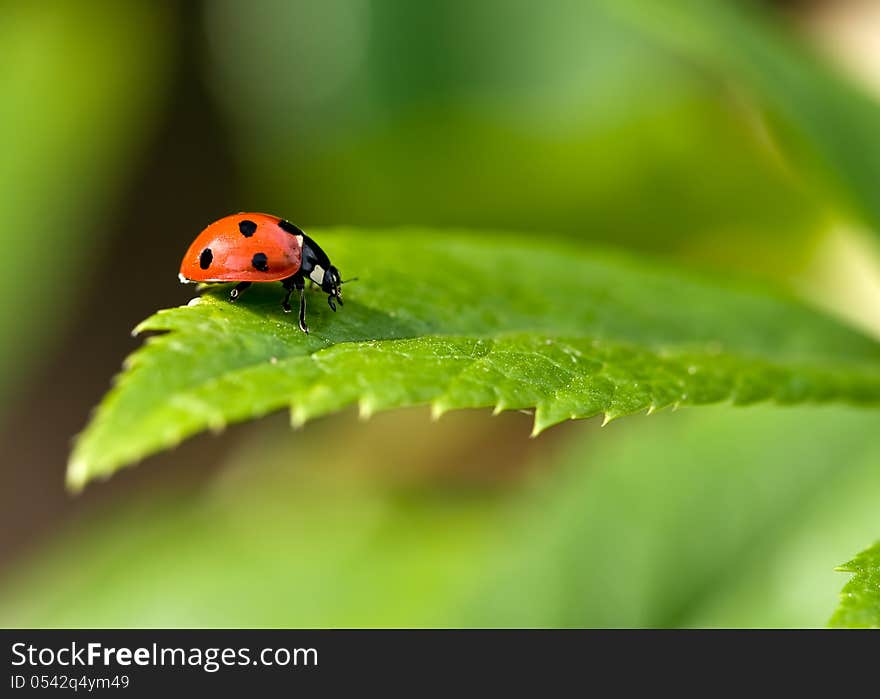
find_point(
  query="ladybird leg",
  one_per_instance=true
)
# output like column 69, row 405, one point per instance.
column 236, row 291
column 285, row 304
column 302, row 309
column 291, row 283
column 296, row 282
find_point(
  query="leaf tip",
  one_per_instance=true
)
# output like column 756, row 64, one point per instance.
column 438, row 409
column 298, row 416
column 77, row 475
column 848, row 567
column 546, row 417
column 366, row 408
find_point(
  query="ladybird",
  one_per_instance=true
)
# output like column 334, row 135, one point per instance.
column 250, row 247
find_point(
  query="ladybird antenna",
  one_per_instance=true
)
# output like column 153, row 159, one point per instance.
column 346, row 281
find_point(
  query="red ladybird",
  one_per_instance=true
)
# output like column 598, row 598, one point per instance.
column 248, row 247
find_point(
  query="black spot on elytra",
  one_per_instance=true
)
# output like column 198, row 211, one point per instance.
column 247, row 228
column 288, row 227
column 206, row 258
column 260, row 262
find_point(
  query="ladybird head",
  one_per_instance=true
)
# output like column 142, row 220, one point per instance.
column 332, row 286
column 332, row 281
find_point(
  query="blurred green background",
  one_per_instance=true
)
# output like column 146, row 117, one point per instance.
column 696, row 131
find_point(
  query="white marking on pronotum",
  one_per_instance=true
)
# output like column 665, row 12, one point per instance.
column 317, row 274
column 183, row 280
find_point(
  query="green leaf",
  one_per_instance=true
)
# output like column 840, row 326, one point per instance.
column 459, row 322
column 716, row 517
column 826, row 121
column 860, row 599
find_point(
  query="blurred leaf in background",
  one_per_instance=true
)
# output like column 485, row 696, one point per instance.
column 81, row 87
column 827, row 125
column 560, row 117
column 716, row 517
